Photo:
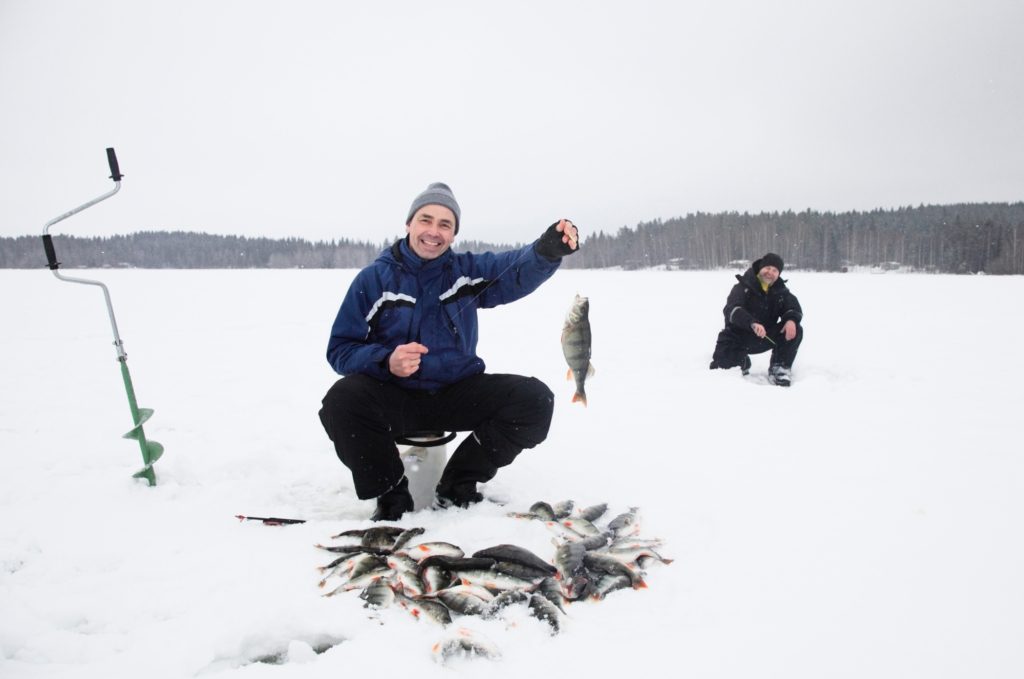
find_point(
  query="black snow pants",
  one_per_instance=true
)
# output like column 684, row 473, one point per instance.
column 363, row 416
column 733, row 344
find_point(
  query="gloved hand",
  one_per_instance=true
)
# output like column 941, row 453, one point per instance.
column 560, row 239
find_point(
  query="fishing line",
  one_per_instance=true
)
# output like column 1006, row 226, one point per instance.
column 494, row 280
column 525, row 252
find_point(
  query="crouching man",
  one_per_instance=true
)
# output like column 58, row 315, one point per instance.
column 405, row 341
column 761, row 314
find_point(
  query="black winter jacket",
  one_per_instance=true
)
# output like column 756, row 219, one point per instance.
column 747, row 304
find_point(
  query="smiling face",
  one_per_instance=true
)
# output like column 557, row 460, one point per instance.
column 431, row 231
column 768, row 275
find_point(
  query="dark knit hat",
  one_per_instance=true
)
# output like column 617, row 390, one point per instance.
column 436, row 194
column 771, row 259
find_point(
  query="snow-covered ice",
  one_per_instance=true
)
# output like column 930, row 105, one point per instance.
column 864, row 523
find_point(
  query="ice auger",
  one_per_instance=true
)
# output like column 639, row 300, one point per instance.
column 151, row 450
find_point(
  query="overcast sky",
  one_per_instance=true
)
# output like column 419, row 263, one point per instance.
column 323, row 119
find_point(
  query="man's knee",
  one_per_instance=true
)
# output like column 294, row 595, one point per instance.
column 347, row 390
column 525, row 417
column 538, row 400
column 794, row 343
column 728, row 353
column 348, row 397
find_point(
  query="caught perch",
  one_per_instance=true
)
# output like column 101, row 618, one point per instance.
column 576, row 346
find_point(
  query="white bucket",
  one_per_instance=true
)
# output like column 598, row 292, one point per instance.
column 423, row 467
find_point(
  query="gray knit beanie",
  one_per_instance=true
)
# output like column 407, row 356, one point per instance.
column 436, row 194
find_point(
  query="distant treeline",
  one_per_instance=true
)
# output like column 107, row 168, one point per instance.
column 187, row 250
column 963, row 238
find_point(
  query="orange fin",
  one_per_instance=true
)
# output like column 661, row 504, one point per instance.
column 580, row 397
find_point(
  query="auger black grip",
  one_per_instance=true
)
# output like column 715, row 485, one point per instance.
column 51, row 254
column 115, row 171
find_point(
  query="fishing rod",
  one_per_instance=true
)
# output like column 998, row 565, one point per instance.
column 151, row 450
column 574, row 239
column 269, row 520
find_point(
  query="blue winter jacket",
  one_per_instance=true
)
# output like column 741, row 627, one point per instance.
column 401, row 298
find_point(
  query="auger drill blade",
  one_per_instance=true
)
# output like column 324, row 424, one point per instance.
column 151, row 450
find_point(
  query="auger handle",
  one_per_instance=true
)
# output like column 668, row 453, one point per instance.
column 115, row 171
column 51, row 254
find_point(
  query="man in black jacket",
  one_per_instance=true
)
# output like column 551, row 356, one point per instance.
column 761, row 314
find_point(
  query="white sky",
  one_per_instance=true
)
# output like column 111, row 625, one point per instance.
column 324, row 119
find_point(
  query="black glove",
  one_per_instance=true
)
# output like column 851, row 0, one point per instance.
column 550, row 243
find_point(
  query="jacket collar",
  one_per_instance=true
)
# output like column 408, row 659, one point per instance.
column 750, row 280
column 404, row 255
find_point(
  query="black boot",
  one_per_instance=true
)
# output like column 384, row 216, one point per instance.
column 744, row 365
column 779, row 375
column 392, row 504
column 459, row 495
column 469, row 465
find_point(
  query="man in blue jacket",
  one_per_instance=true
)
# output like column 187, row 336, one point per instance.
column 405, row 341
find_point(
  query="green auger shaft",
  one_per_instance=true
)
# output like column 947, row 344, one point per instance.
column 151, row 450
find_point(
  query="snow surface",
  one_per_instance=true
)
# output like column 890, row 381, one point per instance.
column 864, row 523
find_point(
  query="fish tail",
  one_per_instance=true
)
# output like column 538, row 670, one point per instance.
column 581, row 397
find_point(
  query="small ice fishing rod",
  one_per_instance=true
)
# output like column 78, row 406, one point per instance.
column 472, row 299
column 151, row 450
column 574, row 239
column 269, row 520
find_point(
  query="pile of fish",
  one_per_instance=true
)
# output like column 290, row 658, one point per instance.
column 437, row 581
